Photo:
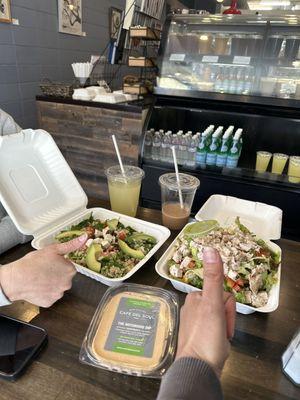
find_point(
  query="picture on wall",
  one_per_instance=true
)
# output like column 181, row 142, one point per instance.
column 70, row 16
column 115, row 20
column 5, row 15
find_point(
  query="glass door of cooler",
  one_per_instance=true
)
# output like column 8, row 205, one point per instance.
column 243, row 55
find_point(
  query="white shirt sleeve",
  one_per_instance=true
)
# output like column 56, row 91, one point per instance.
column 8, row 125
column 3, row 299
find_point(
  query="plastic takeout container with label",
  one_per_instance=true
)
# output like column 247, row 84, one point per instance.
column 43, row 197
column 133, row 331
column 263, row 220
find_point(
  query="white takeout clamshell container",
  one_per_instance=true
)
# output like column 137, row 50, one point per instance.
column 263, row 220
column 42, row 196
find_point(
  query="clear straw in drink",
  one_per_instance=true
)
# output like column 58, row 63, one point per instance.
column 177, row 177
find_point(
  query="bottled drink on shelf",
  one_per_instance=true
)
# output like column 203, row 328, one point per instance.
column 235, row 150
column 156, row 147
column 165, row 147
column 169, row 156
column 225, row 147
column 213, row 148
column 248, row 81
column 148, row 144
column 174, row 142
column 192, row 151
column 204, row 141
column 180, row 147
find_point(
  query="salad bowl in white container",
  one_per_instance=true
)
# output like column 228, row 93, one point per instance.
column 43, row 197
column 263, row 220
column 160, row 233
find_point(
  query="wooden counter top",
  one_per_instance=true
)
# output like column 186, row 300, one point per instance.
column 136, row 106
column 253, row 370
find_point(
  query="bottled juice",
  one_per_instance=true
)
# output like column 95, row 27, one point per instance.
column 279, row 161
column 262, row 161
column 294, row 169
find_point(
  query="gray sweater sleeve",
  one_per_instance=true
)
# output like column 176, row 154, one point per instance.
column 190, row 379
column 10, row 236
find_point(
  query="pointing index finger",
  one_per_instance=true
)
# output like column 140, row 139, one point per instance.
column 67, row 247
column 213, row 276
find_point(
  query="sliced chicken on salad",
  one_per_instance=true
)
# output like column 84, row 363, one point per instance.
column 250, row 266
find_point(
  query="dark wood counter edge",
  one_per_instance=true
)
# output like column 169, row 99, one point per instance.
column 136, row 106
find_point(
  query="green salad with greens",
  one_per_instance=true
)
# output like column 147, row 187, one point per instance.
column 112, row 249
column 250, row 266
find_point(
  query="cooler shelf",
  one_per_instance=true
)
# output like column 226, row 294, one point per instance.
column 279, row 182
column 274, row 128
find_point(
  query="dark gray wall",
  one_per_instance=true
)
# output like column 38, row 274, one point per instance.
column 35, row 49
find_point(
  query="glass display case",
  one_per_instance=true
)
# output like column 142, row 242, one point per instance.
column 256, row 55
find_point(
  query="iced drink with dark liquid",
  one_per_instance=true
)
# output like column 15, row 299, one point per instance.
column 175, row 217
column 174, row 214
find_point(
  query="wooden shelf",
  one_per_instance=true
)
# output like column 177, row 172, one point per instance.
column 144, row 33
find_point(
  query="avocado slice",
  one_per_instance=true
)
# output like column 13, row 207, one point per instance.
column 91, row 259
column 143, row 236
column 66, row 234
column 112, row 224
column 129, row 251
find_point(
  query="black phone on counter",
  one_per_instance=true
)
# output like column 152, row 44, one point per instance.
column 20, row 342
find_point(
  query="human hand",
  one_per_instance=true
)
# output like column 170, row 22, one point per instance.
column 41, row 277
column 207, row 318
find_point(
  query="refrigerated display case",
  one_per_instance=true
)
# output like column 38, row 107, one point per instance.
column 259, row 57
column 234, row 54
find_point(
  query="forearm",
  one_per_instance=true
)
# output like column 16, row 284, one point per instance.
column 190, row 379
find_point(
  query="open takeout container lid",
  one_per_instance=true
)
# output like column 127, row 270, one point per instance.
column 37, row 187
column 262, row 219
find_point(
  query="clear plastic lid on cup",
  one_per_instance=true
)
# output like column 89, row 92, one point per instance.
column 132, row 173
column 174, row 215
column 187, row 182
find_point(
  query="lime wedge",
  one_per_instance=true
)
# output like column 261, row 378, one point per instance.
column 201, row 228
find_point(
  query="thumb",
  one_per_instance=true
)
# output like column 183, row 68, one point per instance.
column 213, row 276
column 65, row 248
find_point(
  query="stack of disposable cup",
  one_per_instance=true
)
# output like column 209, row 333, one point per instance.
column 82, row 71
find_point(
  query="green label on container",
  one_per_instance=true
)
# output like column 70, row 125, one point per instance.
column 133, row 330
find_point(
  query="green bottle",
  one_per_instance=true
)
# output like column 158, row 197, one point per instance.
column 225, row 147
column 212, row 152
column 235, row 151
column 203, row 146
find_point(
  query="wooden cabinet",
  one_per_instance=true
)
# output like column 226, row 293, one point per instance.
column 83, row 132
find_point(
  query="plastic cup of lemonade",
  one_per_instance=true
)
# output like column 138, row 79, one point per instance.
column 294, row 169
column 124, row 191
column 262, row 161
column 278, row 164
column 174, row 216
